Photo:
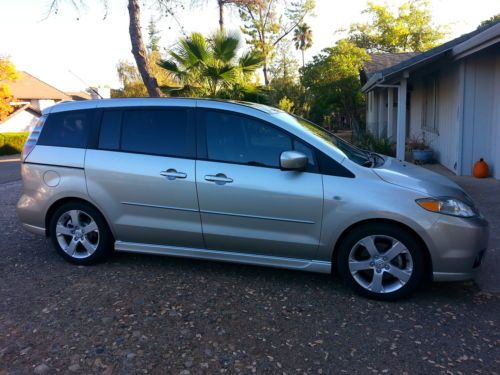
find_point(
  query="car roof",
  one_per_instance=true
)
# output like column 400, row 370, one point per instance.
column 167, row 102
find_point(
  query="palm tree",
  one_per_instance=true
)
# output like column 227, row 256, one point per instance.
column 302, row 36
column 211, row 67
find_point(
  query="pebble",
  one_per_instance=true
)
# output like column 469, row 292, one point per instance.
column 41, row 369
column 130, row 355
column 74, row 368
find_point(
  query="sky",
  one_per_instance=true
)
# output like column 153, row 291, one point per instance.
column 69, row 47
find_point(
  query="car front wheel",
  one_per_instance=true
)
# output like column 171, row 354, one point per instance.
column 381, row 261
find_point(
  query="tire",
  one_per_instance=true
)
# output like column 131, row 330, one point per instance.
column 88, row 242
column 381, row 261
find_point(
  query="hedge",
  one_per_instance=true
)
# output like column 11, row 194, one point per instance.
column 12, row 143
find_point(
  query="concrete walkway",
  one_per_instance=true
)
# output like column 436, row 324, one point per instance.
column 7, row 158
column 486, row 194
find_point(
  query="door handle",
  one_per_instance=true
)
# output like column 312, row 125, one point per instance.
column 172, row 174
column 219, row 178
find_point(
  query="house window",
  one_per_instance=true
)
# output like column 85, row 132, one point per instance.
column 430, row 105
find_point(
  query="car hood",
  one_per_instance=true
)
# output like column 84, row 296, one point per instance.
column 419, row 179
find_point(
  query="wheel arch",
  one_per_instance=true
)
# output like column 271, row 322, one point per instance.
column 62, row 201
column 343, row 235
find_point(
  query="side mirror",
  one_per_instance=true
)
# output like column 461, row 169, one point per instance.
column 293, row 161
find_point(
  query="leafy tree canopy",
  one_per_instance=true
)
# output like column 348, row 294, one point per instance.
column 332, row 79
column 8, row 73
column 408, row 28
column 284, row 81
column 490, row 21
column 284, row 66
column 265, row 25
column 153, row 36
column 131, row 80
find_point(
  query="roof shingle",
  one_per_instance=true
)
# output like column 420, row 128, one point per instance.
column 380, row 61
column 28, row 87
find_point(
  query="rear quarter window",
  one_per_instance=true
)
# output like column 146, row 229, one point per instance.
column 66, row 129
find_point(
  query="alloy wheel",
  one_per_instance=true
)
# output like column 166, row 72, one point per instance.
column 380, row 263
column 77, row 234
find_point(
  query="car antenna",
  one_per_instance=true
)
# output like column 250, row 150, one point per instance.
column 86, row 84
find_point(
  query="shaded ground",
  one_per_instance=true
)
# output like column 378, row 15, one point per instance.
column 9, row 168
column 144, row 314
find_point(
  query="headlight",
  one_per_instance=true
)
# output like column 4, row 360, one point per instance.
column 447, row 206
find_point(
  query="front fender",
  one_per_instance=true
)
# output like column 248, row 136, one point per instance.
column 348, row 202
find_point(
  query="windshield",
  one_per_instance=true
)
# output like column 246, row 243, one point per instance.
column 361, row 157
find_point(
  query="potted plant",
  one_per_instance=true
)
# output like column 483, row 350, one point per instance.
column 420, row 150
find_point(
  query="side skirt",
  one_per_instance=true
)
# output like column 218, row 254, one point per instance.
column 226, row 256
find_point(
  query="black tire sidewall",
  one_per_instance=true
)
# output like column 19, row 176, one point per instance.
column 105, row 247
column 403, row 235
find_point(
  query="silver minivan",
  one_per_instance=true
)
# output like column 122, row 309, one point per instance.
column 245, row 183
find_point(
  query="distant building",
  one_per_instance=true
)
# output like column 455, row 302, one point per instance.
column 22, row 119
column 450, row 95
column 39, row 94
column 79, row 95
column 100, row 92
column 31, row 96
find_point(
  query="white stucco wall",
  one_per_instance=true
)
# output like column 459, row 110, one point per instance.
column 445, row 141
column 41, row 104
column 20, row 122
column 481, row 117
column 495, row 154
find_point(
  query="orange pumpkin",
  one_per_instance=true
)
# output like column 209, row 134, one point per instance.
column 481, row 169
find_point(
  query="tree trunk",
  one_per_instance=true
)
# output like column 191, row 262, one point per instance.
column 139, row 51
column 303, row 58
column 221, row 14
column 264, row 70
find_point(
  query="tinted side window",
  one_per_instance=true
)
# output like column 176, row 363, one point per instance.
column 239, row 139
column 158, row 132
column 330, row 167
column 109, row 135
column 66, row 129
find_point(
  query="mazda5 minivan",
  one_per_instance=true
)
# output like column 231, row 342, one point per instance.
column 244, row 183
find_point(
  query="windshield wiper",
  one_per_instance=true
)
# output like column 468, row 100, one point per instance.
column 374, row 156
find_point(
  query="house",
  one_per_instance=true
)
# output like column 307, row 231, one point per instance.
column 39, row 94
column 31, row 96
column 449, row 96
column 79, row 95
column 23, row 119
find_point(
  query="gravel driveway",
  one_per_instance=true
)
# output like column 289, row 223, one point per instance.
column 141, row 314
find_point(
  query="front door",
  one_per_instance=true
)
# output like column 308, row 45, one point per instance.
column 247, row 203
column 142, row 175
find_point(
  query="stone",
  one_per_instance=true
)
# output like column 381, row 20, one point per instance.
column 130, row 355
column 41, row 369
column 74, row 368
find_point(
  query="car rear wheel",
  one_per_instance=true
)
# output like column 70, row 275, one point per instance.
column 381, row 261
column 80, row 234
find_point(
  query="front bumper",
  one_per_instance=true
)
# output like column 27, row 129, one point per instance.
column 458, row 247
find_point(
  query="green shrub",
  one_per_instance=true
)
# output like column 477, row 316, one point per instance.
column 286, row 104
column 382, row 145
column 12, row 143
